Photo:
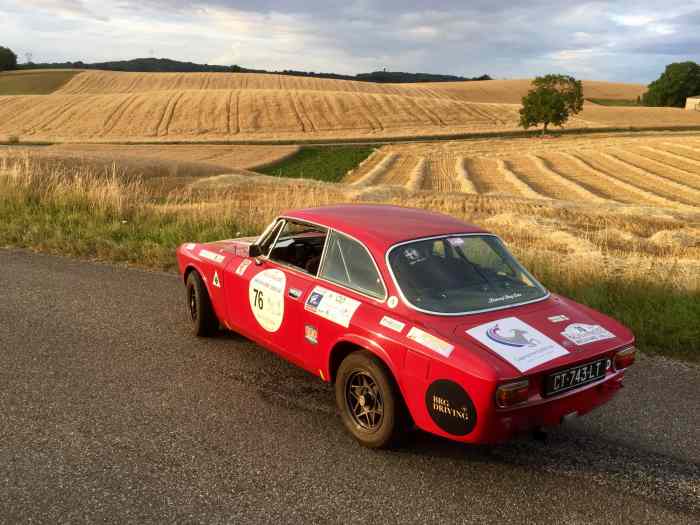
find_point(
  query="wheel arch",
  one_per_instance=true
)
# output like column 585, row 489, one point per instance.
column 192, row 267
column 349, row 344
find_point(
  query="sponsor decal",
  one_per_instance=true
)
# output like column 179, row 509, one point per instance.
column 215, row 281
column 331, row 305
column 311, row 334
column 506, row 297
column 266, row 297
column 430, row 341
column 517, row 342
column 189, row 246
column 216, row 257
column 243, row 267
column 582, row 334
column 392, row 324
column 558, row 318
column 393, row 302
column 450, row 407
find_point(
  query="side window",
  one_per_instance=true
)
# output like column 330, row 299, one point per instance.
column 348, row 263
column 299, row 245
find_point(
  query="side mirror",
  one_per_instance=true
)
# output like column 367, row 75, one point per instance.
column 254, row 251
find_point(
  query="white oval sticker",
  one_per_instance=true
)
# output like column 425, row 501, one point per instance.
column 266, row 296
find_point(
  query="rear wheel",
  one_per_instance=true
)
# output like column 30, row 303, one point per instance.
column 201, row 313
column 370, row 405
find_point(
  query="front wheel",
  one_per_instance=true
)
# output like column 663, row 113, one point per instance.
column 370, row 405
column 202, row 316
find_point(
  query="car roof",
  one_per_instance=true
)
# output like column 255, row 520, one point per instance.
column 381, row 226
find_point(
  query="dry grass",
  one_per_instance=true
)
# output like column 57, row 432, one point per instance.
column 635, row 240
column 229, row 157
column 640, row 264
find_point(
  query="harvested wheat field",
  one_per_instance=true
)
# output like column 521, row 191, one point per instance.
column 103, row 106
column 649, row 170
column 495, row 91
column 222, row 157
column 244, row 114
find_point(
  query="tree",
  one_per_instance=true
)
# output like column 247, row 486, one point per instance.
column 679, row 81
column 552, row 99
column 8, row 60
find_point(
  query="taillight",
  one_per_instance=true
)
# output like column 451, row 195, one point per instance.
column 625, row 358
column 511, row 394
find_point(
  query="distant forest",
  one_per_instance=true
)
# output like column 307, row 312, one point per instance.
column 161, row 65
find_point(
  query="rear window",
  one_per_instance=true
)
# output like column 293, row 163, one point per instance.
column 461, row 274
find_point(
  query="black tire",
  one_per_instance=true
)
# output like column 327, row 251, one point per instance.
column 370, row 428
column 201, row 313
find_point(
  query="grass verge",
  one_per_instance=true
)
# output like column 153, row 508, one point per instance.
column 664, row 318
column 107, row 216
column 329, row 164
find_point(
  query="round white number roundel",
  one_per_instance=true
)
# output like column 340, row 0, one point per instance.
column 266, row 296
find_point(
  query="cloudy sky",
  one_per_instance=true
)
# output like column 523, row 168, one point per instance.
column 628, row 41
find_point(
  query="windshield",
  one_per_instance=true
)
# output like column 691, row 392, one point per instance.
column 461, row 274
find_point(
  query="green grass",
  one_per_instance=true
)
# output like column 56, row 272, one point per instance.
column 329, row 164
column 614, row 102
column 664, row 319
column 138, row 238
column 33, row 82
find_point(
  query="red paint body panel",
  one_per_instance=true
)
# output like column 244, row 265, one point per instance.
column 471, row 365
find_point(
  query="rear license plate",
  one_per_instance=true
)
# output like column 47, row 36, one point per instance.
column 574, row 377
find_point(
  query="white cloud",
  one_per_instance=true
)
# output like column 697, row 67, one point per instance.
column 633, row 20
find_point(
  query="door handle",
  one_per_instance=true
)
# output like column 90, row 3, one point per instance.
column 294, row 293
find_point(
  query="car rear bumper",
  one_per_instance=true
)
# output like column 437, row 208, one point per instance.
column 501, row 425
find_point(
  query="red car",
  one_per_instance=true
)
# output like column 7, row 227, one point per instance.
column 418, row 318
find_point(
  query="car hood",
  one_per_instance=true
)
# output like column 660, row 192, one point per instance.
column 236, row 246
column 218, row 253
column 529, row 339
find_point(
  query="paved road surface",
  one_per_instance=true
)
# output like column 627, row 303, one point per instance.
column 110, row 411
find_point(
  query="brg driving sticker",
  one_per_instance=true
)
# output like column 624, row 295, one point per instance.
column 266, row 296
column 450, row 407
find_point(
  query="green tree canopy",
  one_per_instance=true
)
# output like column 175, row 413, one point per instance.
column 8, row 60
column 679, row 81
column 552, row 99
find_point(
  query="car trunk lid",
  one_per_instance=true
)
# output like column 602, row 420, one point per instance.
column 541, row 336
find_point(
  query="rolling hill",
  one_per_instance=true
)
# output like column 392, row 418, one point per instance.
column 118, row 106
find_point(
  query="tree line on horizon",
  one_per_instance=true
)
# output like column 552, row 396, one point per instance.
column 679, row 80
column 166, row 65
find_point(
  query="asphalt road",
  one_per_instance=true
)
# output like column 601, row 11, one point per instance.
column 111, row 411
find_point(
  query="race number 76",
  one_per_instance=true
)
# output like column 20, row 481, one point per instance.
column 258, row 299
